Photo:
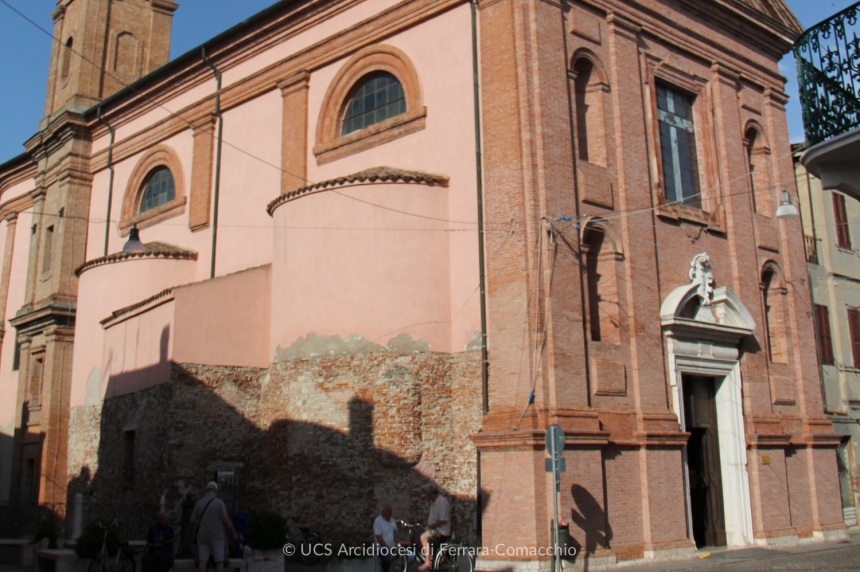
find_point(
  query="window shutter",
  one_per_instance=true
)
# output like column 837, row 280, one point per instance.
column 822, row 331
column 843, row 238
column 854, row 327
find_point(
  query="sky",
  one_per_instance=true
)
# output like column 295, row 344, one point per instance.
column 25, row 54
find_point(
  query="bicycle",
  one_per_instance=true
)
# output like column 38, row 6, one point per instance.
column 123, row 561
column 306, row 551
column 450, row 554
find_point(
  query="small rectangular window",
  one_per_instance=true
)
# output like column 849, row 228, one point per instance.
column 128, row 457
column 843, row 237
column 854, row 330
column 678, row 147
column 822, row 332
column 49, row 249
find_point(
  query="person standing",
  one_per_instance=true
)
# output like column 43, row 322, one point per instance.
column 383, row 531
column 210, row 517
column 159, row 542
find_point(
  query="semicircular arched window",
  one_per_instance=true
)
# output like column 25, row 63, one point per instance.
column 376, row 97
column 158, row 189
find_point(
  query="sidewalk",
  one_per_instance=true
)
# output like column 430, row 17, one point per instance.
column 808, row 555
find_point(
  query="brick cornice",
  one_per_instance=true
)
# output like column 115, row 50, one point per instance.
column 16, row 172
column 623, row 26
column 10, row 210
column 401, row 16
column 706, row 48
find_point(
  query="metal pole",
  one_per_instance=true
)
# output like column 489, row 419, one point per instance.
column 556, row 486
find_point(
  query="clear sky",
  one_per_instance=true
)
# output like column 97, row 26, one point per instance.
column 25, row 52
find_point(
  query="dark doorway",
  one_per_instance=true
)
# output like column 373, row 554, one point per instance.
column 703, row 461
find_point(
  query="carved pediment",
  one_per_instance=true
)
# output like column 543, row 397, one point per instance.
column 698, row 305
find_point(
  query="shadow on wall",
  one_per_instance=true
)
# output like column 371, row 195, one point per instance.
column 6, row 451
column 231, row 424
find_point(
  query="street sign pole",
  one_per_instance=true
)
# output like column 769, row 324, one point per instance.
column 555, row 446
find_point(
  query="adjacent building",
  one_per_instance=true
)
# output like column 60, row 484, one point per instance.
column 830, row 218
column 350, row 247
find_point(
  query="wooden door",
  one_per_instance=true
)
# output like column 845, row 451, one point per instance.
column 703, row 461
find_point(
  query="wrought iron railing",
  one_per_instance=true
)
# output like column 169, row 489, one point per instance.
column 811, row 249
column 828, row 75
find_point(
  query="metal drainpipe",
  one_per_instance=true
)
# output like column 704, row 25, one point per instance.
column 479, row 183
column 485, row 372
column 217, row 157
column 110, row 183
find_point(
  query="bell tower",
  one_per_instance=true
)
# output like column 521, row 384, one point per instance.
column 104, row 46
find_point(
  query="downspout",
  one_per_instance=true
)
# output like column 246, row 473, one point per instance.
column 809, row 285
column 110, row 183
column 485, row 377
column 482, row 282
column 217, row 158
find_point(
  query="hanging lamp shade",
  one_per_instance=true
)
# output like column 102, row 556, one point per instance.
column 134, row 244
column 786, row 208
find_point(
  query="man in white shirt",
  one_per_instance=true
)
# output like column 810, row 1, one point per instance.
column 383, row 530
column 438, row 523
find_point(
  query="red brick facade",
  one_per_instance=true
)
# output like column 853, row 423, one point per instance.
column 581, row 327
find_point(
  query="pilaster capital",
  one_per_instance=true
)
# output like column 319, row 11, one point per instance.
column 298, row 81
column 623, row 26
column 726, row 75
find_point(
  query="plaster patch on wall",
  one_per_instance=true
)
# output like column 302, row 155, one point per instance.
column 314, row 345
column 474, row 343
column 93, row 395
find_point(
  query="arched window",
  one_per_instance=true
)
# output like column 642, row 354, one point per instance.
column 376, row 97
column 773, row 298
column 159, row 189
column 759, row 171
column 590, row 125
column 602, row 285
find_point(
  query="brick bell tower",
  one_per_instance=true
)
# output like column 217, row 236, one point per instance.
column 103, row 46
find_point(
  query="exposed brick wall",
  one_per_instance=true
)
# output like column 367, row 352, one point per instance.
column 323, row 440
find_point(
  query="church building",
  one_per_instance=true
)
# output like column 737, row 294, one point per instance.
column 351, row 247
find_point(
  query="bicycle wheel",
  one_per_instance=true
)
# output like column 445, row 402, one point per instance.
column 446, row 560
column 308, row 552
column 399, row 563
column 97, row 565
column 126, row 564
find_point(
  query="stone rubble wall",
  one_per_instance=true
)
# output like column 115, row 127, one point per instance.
column 323, row 440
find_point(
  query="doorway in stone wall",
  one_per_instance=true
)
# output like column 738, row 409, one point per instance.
column 703, row 460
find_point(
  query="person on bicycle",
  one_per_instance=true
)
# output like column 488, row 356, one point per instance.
column 210, row 518
column 159, row 543
column 438, row 523
column 383, row 531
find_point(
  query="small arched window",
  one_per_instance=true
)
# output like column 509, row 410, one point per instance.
column 602, row 285
column 773, row 298
column 67, row 59
column 159, row 188
column 376, row 97
column 590, row 125
column 759, row 172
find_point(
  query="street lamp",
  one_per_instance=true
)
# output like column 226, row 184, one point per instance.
column 786, row 208
column 134, row 245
